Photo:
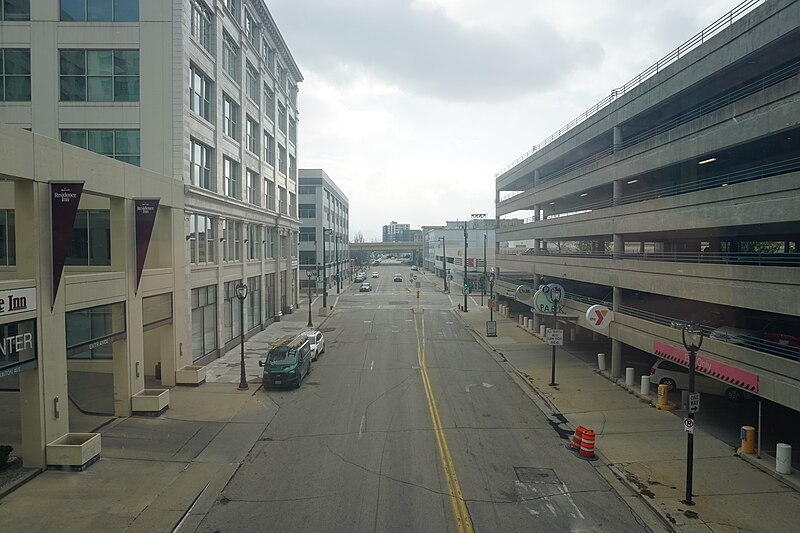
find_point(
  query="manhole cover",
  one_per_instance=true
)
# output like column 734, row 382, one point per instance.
column 537, row 475
column 398, row 303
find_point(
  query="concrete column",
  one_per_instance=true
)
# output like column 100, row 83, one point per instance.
column 537, row 177
column 617, row 138
column 616, row 346
column 617, row 192
column 619, row 246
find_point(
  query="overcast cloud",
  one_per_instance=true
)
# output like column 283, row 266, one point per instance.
column 413, row 106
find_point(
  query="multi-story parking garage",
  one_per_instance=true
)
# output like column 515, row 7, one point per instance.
column 677, row 199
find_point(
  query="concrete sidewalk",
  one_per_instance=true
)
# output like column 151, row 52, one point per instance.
column 646, row 447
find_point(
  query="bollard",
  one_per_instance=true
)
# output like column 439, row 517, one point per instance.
column 630, row 376
column 645, row 386
column 601, row 361
column 663, row 398
column 748, row 435
column 542, row 330
column 521, row 319
column 508, row 312
column 783, row 458
column 573, row 334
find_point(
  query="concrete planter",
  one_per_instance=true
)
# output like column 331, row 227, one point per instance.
column 73, row 451
column 150, row 402
column 191, row 375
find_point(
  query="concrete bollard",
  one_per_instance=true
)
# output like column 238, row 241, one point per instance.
column 783, row 458
column 630, row 376
column 573, row 334
column 542, row 330
column 748, row 434
column 645, row 386
column 601, row 361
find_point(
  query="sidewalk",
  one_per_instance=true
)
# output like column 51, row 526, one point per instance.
column 646, row 447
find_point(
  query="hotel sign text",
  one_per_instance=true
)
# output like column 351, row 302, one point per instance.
column 17, row 301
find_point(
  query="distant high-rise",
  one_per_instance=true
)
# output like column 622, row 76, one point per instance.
column 394, row 232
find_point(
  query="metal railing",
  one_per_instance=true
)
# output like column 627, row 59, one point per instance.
column 787, row 259
column 716, row 27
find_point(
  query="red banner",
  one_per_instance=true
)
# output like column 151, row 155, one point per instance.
column 145, row 211
column 733, row 375
column 64, row 200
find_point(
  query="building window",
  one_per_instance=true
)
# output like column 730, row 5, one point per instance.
column 269, row 195
column 231, row 233
column 269, row 243
column 201, row 24
column 90, row 244
column 307, row 211
column 269, row 148
column 99, row 10
column 8, row 238
column 254, row 302
column 292, row 168
column 156, row 311
column 252, row 187
column 200, row 164
column 282, row 200
column 308, row 235
column 91, row 333
column 306, row 189
column 230, row 57
column 204, row 321
column 15, row 75
column 254, row 239
column 202, row 243
column 99, row 75
column 251, row 135
column 233, row 8
column 271, row 57
column 122, row 145
column 269, row 102
column 293, row 130
column 230, row 117
column 15, row 10
column 231, row 178
column 231, row 326
column 250, row 29
column 282, row 117
column 292, row 204
column 199, row 92
column 281, row 158
column 252, row 83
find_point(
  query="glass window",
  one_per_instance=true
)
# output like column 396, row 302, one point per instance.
column 252, row 187
column 232, row 326
column 252, row 135
column 252, row 83
column 8, row 239
column 199, row 92
column 269, row 295
column 254, row 241
column 157, row 310
column 231, row 178
column 201, row 24
column 282, row 200
column 99, row 75
column 233, row 8
column 253, row 302
column 307, row 234
column 269, row 102
column 204, row 321
column 15, row 75
column 90, row 244
column 15, row 10
column 92, row 332
column 293, row 130
column 202, row 242
column 99, row 10
column 200, row 164
column 230, row 117
column 269, row 148
column 250, row 29
column 231, row 233
column 123, row 145
column 281, row 158
column 292, row 168
column 230, row 57
column 269, row 194
column 282, row 117
column 269, row 243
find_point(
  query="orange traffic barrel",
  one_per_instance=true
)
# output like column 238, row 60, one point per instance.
column 577, row 438
column 587, row 444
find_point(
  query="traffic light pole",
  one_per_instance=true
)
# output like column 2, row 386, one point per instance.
column 466, row 283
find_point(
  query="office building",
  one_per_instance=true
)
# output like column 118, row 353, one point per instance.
column 394, row 232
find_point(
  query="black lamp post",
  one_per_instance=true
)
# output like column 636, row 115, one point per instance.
column 483, row 284
column 336, row 244
column 444, row 262
column 241, row 293
column 310, row 274
column 324, row 268
column 466, row 283
column 491, row 295
column 695, row 334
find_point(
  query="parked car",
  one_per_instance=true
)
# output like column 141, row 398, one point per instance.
column 675, row 376
column 374, row 274
column 365, row 287
column 740, row 336
column 317, row 340
column 287, row 364
column 414, row 267
column 398, row 277
column 360, row 278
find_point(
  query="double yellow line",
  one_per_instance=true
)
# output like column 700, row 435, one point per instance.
column 460, row 513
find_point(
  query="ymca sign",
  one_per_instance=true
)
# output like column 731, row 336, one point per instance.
column 17, row 301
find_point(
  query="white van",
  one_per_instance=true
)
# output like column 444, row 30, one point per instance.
column 675, row 376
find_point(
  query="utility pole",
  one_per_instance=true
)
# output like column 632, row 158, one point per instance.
column 466, row 283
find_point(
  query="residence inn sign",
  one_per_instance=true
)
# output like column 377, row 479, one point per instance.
column 17, row 339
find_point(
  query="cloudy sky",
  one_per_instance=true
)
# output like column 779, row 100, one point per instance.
column 413, row 106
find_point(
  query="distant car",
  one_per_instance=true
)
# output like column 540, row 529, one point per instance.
column 398, row 277
column 317, row 342
column 374, row 274
column 360, row 278
column 675, row 376
column 742, row 337
column 365, row 287
column 414, row 267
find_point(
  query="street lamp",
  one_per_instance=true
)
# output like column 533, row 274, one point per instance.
column 241, row 293
column 466, row 284
column 483, row 284
column 692, row 337
column 310, row 274
column 325, row 268
column 336, row 244
column 491, row 294
column 444, row 262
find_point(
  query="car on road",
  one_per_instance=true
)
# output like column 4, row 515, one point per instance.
column 374, row 274
column 414, row 267
column 288, row 363
column 675, row 376
column 365, row 287
column 360, row 278
column 317, row 341
column 398, row 277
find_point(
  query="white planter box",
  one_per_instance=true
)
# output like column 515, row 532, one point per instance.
column 150, row 402
column 191, row 375
column 73, row 451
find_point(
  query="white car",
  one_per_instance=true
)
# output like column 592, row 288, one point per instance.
column 675, row 376
column 317, row 343
column 374, row 274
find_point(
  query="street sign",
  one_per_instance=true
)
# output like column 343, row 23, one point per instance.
column 523, row 291
column 465, row 290
column 688, row 425
column 553, row 292
column 694, row 402
column 542, row 305
column 492, row 304
column 599, row 316
column 555, row 337
column 491, row 328
column 414, row 277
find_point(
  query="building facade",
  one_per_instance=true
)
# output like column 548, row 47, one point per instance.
column 677, row 199
column 198, row 95
column 325, row 216
column 394, row 232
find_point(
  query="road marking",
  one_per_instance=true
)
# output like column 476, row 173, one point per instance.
column 361, row 428
column 372, row 365
column 460, row 512
column 368, row 322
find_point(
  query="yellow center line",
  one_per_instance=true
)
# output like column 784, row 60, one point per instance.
column 460, row 513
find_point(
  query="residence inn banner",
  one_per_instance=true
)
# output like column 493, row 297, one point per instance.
column 64, row 199
column 144, row 218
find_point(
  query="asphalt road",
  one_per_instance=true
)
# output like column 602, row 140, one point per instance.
column 406, row 423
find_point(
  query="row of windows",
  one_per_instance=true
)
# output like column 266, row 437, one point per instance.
column 99, row 10
column 123, row 145
column 259, row 241
column 15, row 75
column 8, row 240
column 15, row 10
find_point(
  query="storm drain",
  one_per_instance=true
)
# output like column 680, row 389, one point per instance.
column 537, row 475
